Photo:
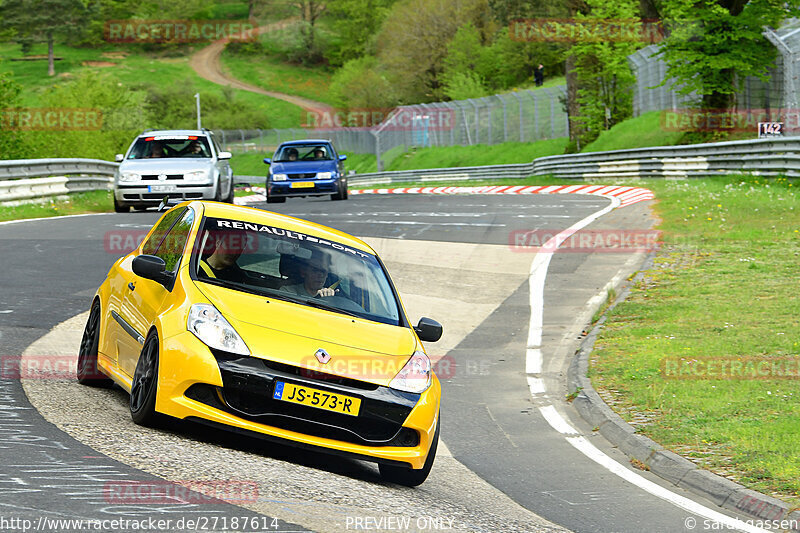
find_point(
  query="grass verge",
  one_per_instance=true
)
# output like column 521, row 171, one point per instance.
column 74, row 204
column 718, row 296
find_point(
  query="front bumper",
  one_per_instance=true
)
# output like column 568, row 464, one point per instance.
column 393, row 427
column 136, row 194
column 285, row 189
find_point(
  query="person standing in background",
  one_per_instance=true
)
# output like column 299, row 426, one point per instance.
column 538, row 75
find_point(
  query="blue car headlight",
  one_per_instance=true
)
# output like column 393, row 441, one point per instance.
column 279, row 177
column 324, row 175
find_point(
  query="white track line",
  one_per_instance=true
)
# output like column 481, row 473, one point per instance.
column 50, row 218
column 533, row 366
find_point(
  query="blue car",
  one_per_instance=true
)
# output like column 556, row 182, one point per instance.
column 309, row 167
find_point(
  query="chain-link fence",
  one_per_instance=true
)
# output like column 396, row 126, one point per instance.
column 650, row 71
column 522, row 116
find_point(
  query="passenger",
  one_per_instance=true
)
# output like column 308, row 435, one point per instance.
column 319, row 153
column 193, row 149
column 291, row 154
column 314, row 273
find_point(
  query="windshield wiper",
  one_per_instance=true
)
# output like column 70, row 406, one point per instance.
column 320, row 304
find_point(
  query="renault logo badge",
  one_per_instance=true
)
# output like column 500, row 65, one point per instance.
column 322, row 356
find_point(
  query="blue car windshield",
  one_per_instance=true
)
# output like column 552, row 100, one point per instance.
column 304, row 152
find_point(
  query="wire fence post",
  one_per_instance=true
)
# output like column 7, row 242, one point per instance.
column 505, row 117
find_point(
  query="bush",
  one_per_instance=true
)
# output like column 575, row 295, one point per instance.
column 360, row 84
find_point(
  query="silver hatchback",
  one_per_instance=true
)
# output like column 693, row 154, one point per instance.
column 181, row 164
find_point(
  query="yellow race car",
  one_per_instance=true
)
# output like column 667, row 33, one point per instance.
column 253, row 321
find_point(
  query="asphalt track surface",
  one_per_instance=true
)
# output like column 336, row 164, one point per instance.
column 490, row 422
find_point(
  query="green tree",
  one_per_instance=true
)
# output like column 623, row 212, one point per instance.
column 413, row 43
column 712, row 43
column 356, row 22
column 310, row 11
column 361, row 84
column 603, row 74
column 44, row 20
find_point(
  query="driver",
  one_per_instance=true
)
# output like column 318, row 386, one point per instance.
column 314, row 273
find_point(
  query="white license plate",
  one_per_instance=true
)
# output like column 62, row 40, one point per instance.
column 161, row 188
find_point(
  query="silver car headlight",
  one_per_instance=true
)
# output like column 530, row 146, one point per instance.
column 208, row 324
column 129, row 176
column 324, row 175
column 196, row 175
column 415, row 376
column 279, row 177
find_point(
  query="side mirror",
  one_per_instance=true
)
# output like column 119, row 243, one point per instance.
column 342, row 157
column 118, row 158
column 152, row 267
column 428, row 330
column 267, row 161
column 225, row 155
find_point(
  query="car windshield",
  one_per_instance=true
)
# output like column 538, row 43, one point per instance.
column 304, row 152
column 170, row 146
column 295, row 267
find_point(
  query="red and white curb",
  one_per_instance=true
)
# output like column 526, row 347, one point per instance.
column 625, row 194
column 259, row 196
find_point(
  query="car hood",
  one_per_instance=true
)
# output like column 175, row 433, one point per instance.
column 303, row 167
column 165, row 165
column 292, row 334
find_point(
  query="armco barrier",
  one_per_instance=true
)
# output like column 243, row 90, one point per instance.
column 763, row 157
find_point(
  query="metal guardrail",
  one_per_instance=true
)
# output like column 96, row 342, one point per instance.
column 25, row 179
column 763, row 157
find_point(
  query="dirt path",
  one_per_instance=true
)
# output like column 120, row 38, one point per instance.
column 206, row 63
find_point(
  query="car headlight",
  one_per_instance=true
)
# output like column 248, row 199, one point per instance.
column 279, row 177
column 415, row 376
column 129, row 176
column 197, row 175
column 210, row 326
column 324, row 175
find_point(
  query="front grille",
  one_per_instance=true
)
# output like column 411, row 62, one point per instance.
column 155, row 176
column 248, row 384
column 329, row 379
column 309, row 176
column 302, row 419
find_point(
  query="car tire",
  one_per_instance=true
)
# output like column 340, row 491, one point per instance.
column 341, row 194
column 407, row 476
column 218, row 192
column 231, row 194
column 274, row 199
column 145, row 384
column 87, row 372
column 119, row 208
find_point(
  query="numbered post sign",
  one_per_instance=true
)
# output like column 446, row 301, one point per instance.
column 770, row 129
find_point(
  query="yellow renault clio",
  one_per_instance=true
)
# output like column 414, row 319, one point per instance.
column 248, row 320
